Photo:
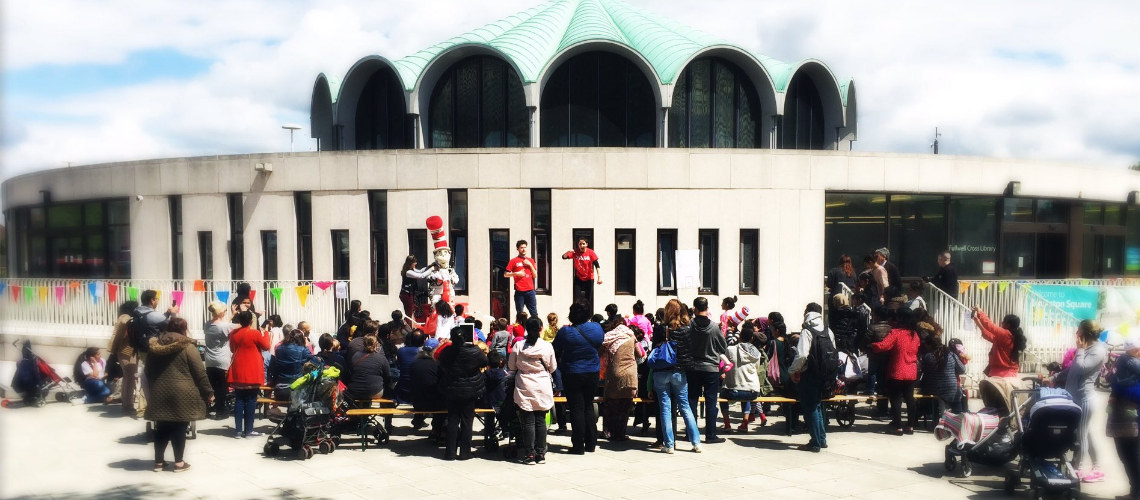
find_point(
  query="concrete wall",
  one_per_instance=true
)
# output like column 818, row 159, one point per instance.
column 780, row 193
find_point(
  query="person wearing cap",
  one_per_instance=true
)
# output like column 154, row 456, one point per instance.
column 1123, row 407
column 442, row 279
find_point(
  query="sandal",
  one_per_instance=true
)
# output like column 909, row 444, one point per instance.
column 183, row 467
column 159, row 466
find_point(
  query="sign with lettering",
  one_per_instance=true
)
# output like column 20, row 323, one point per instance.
column 1080, row 301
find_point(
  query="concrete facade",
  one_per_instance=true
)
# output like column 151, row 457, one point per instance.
column 781, row 193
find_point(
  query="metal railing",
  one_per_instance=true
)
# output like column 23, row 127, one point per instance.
column 88, row 308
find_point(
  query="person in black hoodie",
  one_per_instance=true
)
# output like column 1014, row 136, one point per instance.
column 699, row 348
column 462, row 365
column 426, row 394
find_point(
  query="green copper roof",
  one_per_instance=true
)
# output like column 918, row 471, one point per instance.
column 533, row 38
column 333, row 83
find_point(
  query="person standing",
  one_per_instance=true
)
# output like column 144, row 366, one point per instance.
column 409, row 276
column 577, row 349
column 1122, row 425
column 523, row 269
column 462, row 365
column 585, row 262
column 533, row 363
column 880, row 278
column 840, row 277
column 122, row 349
column 618, row 361
column 704, row 345
column 1080, row 378
column 669, row 380
column 218, row 355
column 247, row 373
column 894, row 279
column 816, row 343
column 947, row 277
column 179, row 391
column 901, row 345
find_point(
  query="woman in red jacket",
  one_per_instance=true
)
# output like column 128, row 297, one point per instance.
column 247, row 372
column 902, row 369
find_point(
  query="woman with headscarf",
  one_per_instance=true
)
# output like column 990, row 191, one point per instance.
column 179, row 391
column 619, row 355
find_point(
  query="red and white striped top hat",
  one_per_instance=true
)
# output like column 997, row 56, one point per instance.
column 438, row 237
column 738, row 316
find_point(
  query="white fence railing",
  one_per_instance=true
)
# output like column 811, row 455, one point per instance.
column 68, row 307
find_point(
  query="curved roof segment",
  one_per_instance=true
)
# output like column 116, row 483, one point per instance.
column 531, row 39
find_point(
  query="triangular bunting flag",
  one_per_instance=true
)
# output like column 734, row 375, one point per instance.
column 93, row 289
column 132, row 293
column 223, row 296
column 323, row 285
column 43, row 293
column 963, row 286
column 15, row 292
column 112, row 291
column 252, row 295
column 342, row 289
column 1002, row 286
column 29, row 295
column 59, row 290
column 73, row 285
column 176, row 296
column 1085, row 282
column 303, row 294
column 158, row 296
column 276, row 293
column 2, row 287
column 983, row 285
column 199, row 286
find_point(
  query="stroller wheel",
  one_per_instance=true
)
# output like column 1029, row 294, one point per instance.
column 40, row 402
column 1069, row 495
column 325, row 447
column 967, row 469
column 308, row 452
column 303, row 453
column 951, row 464
column 62, row 397
column 1012, row 479
column 271, row 449
column 332, row 446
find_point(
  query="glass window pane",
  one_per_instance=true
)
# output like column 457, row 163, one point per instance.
column 612, row 100
column 378, row 210
column 94, row 262
column 457, row 208
column 37, row 218
column 1132, row 241
column 119, row 212
column 709, row 248
column 641, row 109
column 93, row 214
column 64, row 216
column 206, row 254
column 749, row 254
column 1113, row 215
column 1017, row 255
column 749, row 113
column 1018, row 210
column 584, row 100
column 120, row 252
column 856, row 224
column 467, row 103
column 679, row 113
column 494, row 108
column 340, row 250
column 1052, row 211
column 1113, row 255
column 417, row 245
column 459, row 260
column 442, row 113
column 540, row 208
column 700, row 109
column 625, row 262
column 918, row 233
column 269, row 254
column 724, row 111
column 1094, row 213
column 518, row 115
column 973, row 235
column 666, row 260
column 555, row 113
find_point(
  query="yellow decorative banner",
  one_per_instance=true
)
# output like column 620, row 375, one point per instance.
column 43, row 293
column 1002, row 286
column 303, row 294
column 984, row 285
column 963, row 286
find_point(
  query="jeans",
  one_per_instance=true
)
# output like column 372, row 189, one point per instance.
column 533, row 433
column 1128, row 449
column 900, row 391
column 460, row 417
column 217, row 378
column 584, row 290
column 705, row 384
column 672, row 387
column 97, row 391
column 579, row 389
column 745, row 406
column 130, row 380
column 527, row 299
column 245, row 409
column 172, row 433
column 810, row 391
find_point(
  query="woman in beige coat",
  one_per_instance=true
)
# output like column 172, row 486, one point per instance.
column 532, row 362
column 620, row 353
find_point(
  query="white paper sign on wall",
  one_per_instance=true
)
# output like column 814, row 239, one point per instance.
column 688, row 269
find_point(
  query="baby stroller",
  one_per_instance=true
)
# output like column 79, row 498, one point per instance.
column 308, row 422
column 850, row 373
column 986, row 437
column 1050, row 432
column 34, row 379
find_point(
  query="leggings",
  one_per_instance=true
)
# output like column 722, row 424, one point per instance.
column 460, row 417
column 245, row 409
column 1086, row 448
column 901, row 391
column 172, row 433
column 217, row 378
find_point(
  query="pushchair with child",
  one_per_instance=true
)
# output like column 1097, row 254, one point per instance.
column 1049, row 431
column 307, row 425
column 35, row 379
column 988, row 437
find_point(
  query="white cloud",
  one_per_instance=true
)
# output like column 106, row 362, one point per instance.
column 1008, row 78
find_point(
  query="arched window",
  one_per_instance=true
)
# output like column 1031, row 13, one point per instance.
column 802, row 123
column 381, row 117
column 478, row 103
column 598, row 99
column 714, row 105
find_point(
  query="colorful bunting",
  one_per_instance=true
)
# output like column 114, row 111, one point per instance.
column 176, row 296
column 132, row 293
column 342, row 289
column 43, row 293
column 252, row 295
column 199, row 286
column 323, row 285
column 963, row 286
column 158, row 296
column 1002, row 286
column 112, row 291
column 59, row 294
column 93, row 289
column 983, row 285
column 223, row 296
column 73, row 285
column 29, row 295
column 2, row 287
column 303, row 294
column 1085, row 282
column 276, row 293
column 15, row 292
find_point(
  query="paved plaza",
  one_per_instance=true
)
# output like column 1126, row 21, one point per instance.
column 92, row 452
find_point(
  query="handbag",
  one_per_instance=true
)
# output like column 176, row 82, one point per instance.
column 663, row 356
column 774, row 367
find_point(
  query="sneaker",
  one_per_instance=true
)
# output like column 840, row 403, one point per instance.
column 667, row 450
column 696, row 448
column 715, row 440
column 1093, row 476
column 527, row 460
column 540, row 459
column 238, row 435
column 253, row 434
column 185, row 467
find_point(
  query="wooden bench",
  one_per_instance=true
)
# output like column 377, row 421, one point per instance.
column 366, row 415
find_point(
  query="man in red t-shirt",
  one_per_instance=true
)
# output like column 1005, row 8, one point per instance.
column 523, row 269
column 585, row 262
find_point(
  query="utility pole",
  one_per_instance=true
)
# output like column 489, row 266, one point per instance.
column 935, row 143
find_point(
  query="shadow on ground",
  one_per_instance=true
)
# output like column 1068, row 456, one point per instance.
column 148, row 491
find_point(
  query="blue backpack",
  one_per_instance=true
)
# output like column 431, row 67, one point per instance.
column 663, row 357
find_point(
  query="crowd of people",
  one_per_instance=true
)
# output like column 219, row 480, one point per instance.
column 877, row 339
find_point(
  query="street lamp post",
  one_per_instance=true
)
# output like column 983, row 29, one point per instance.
column 290, row 127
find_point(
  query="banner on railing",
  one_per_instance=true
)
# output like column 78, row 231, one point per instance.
column 1080, row 301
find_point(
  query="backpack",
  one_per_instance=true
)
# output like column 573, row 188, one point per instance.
column 138, row 334
column 823, row 360
column 663, row 357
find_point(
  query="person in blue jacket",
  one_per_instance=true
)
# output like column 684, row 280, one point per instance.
column 576, row 347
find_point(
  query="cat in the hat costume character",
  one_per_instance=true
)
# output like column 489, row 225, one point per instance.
column 442, row 279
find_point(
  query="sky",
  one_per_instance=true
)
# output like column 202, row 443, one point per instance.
column 88, row 81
